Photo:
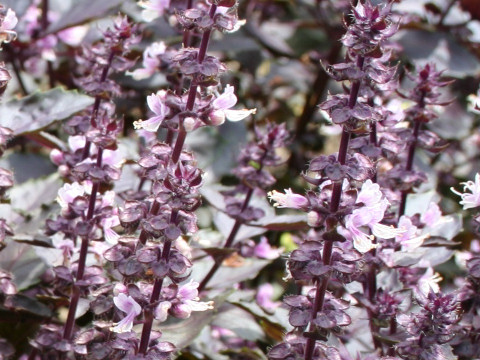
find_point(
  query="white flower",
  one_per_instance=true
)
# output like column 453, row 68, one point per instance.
column 432, row 215
column 68, row 192
column 161, row 311
column 472, row 199
column 370, row 193
column 369, row 216
column 224, row 10
column 188, row 301
column 409, row 239
column 6, row 27
column 156, row 103
column 287, row 200
column 108, row 223
column 150, row 62
column 429, row 282
column 128, row 305
column 74, row 35
column 153, row 8
column 221, row 108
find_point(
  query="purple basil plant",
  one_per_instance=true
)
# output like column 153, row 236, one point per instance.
column 232, row 179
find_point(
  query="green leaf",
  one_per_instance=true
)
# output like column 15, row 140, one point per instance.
column 287, row 242
column 39, row 110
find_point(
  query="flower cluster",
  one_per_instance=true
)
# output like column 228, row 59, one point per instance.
column 432, row 328
column 87, row 212
column 153, row 256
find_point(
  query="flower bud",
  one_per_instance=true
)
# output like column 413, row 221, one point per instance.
column 217, row 117
column 313, row 219
column 56, row 156
column 189, row 124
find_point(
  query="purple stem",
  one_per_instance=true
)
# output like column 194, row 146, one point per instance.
column 403, row 199
column 371, row 281
column 185, row 43
column 96, row 105
column 155, row 296
column 72, row 309
column 192, row 92
column 33, row 354
column 233, row 232
column 334, row 205
column 16, row 70
column 153, row 210
column 411, row 155
column 231, row 237
column 44, row 23
column 187, row 33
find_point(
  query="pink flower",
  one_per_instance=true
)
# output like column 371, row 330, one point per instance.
column 73, row 36
column 408, row 239
column 161, row 312
column 221, row 108
column 369, row 216
column 264, row 297
column 472, row 199
column 429, row 282
column 370, row 194
column 265, row 251
column 108, row 198
column 431, row 215
column 188, row 297
column 109, row 234
column 153, row 8
column 185, row 302
column 109, row 157
column 128, row 305
column 288, row 200
column 76, row 142
column 6, row 27
column 151, row 62
column 156, row 103
column 68, row 192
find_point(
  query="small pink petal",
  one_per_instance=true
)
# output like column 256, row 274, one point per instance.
column 226, row 100
column 73, row 36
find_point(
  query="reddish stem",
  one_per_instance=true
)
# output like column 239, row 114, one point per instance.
column 192, row 92
column 72, row 309
column 334, row 205
column 154, row 297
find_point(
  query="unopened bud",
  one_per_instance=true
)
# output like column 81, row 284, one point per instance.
column 189, row 124
column 217, row 117
column 313, row 219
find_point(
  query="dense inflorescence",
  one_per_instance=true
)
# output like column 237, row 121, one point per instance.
column 141, row 210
